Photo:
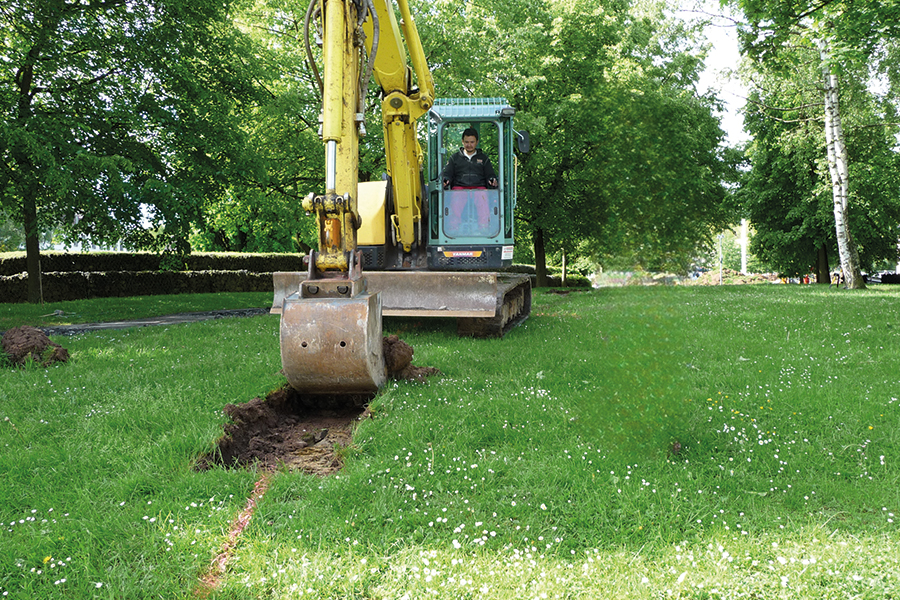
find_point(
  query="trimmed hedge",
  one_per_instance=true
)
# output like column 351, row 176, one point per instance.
column 82, row 285
column 76, row 276
column 66, row 262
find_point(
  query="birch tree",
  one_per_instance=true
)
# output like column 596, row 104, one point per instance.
column 846, row 33
column 836, row 148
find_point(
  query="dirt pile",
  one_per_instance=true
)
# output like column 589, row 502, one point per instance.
column 398, row 361
column 298, row 431
column 20, row 343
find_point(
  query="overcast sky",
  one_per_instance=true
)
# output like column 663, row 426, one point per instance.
column 723, row 56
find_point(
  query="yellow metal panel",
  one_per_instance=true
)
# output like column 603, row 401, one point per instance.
column 371, row 209
column 390, row 68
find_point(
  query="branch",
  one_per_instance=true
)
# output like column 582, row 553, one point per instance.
column 816, row 9
column 713, row 15
column 77, row 84
column 784, row 109
column 779, row 119
column 767, row 90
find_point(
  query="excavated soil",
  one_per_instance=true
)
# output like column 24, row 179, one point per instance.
column 305, row 432
column 21, row 343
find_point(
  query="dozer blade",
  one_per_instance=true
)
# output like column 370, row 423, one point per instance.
column 332, row 345
column 485, row 304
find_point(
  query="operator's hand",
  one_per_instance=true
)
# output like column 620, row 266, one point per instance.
column 492, row 182
column 446, row 184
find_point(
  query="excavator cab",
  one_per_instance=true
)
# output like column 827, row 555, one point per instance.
column 471, row 229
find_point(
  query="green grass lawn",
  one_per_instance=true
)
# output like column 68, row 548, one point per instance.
column 98, row 310
column 726, row 442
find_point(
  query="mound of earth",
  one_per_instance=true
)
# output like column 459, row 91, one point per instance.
column 298, row 431
column 20, row 343
column 398, row 361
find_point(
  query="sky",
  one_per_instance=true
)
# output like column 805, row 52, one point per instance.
column 723, row 56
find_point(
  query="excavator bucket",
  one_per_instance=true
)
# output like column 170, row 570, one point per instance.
column 332, row 345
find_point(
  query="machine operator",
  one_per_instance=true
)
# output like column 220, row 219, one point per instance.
column 469, row 169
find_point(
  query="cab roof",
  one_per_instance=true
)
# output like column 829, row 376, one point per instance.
column 471, row 108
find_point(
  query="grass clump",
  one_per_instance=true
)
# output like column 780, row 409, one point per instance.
column 641, row 443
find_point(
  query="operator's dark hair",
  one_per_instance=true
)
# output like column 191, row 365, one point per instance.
column 470, row 131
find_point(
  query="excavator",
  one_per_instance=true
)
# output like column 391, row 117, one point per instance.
column 405, row 245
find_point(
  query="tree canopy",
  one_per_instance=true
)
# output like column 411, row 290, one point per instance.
column 623, row 145
column 849, row 41
column 118, row 115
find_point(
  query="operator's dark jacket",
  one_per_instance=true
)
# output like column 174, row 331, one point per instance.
column 469, row 173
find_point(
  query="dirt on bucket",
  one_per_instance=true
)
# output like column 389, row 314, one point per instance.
column 295, row 431
column 21, row 343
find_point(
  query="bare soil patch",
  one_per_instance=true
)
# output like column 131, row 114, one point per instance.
column 291, row 430
column 21, row 343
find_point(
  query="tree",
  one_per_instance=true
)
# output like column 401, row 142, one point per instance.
column 787, row 193
column 117, row 112
column 622, row 145
column 846, row 34
column 634, row 149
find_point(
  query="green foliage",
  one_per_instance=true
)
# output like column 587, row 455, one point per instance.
column 11, row 235
column 787, row 192
column 91, row 142
column 855, row 30
column 263, row 213
column 622, row 146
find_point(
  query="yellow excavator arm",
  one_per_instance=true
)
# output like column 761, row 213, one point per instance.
column 331, row 328
column 401, row 106
column 362, row 38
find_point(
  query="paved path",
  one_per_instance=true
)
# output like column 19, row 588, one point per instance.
column 191, row 317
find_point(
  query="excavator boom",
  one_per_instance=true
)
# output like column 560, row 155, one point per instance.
column 331, row 329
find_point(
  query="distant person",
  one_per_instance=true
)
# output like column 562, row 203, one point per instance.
column 469, row 169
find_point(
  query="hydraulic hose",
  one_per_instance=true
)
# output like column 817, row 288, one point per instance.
column 309, row 56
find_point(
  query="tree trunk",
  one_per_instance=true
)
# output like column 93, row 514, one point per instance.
column 540, row 257
column 32, row 248
column 563, row 282
column 25, row 180
column 838, row 168
column 823, row 274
